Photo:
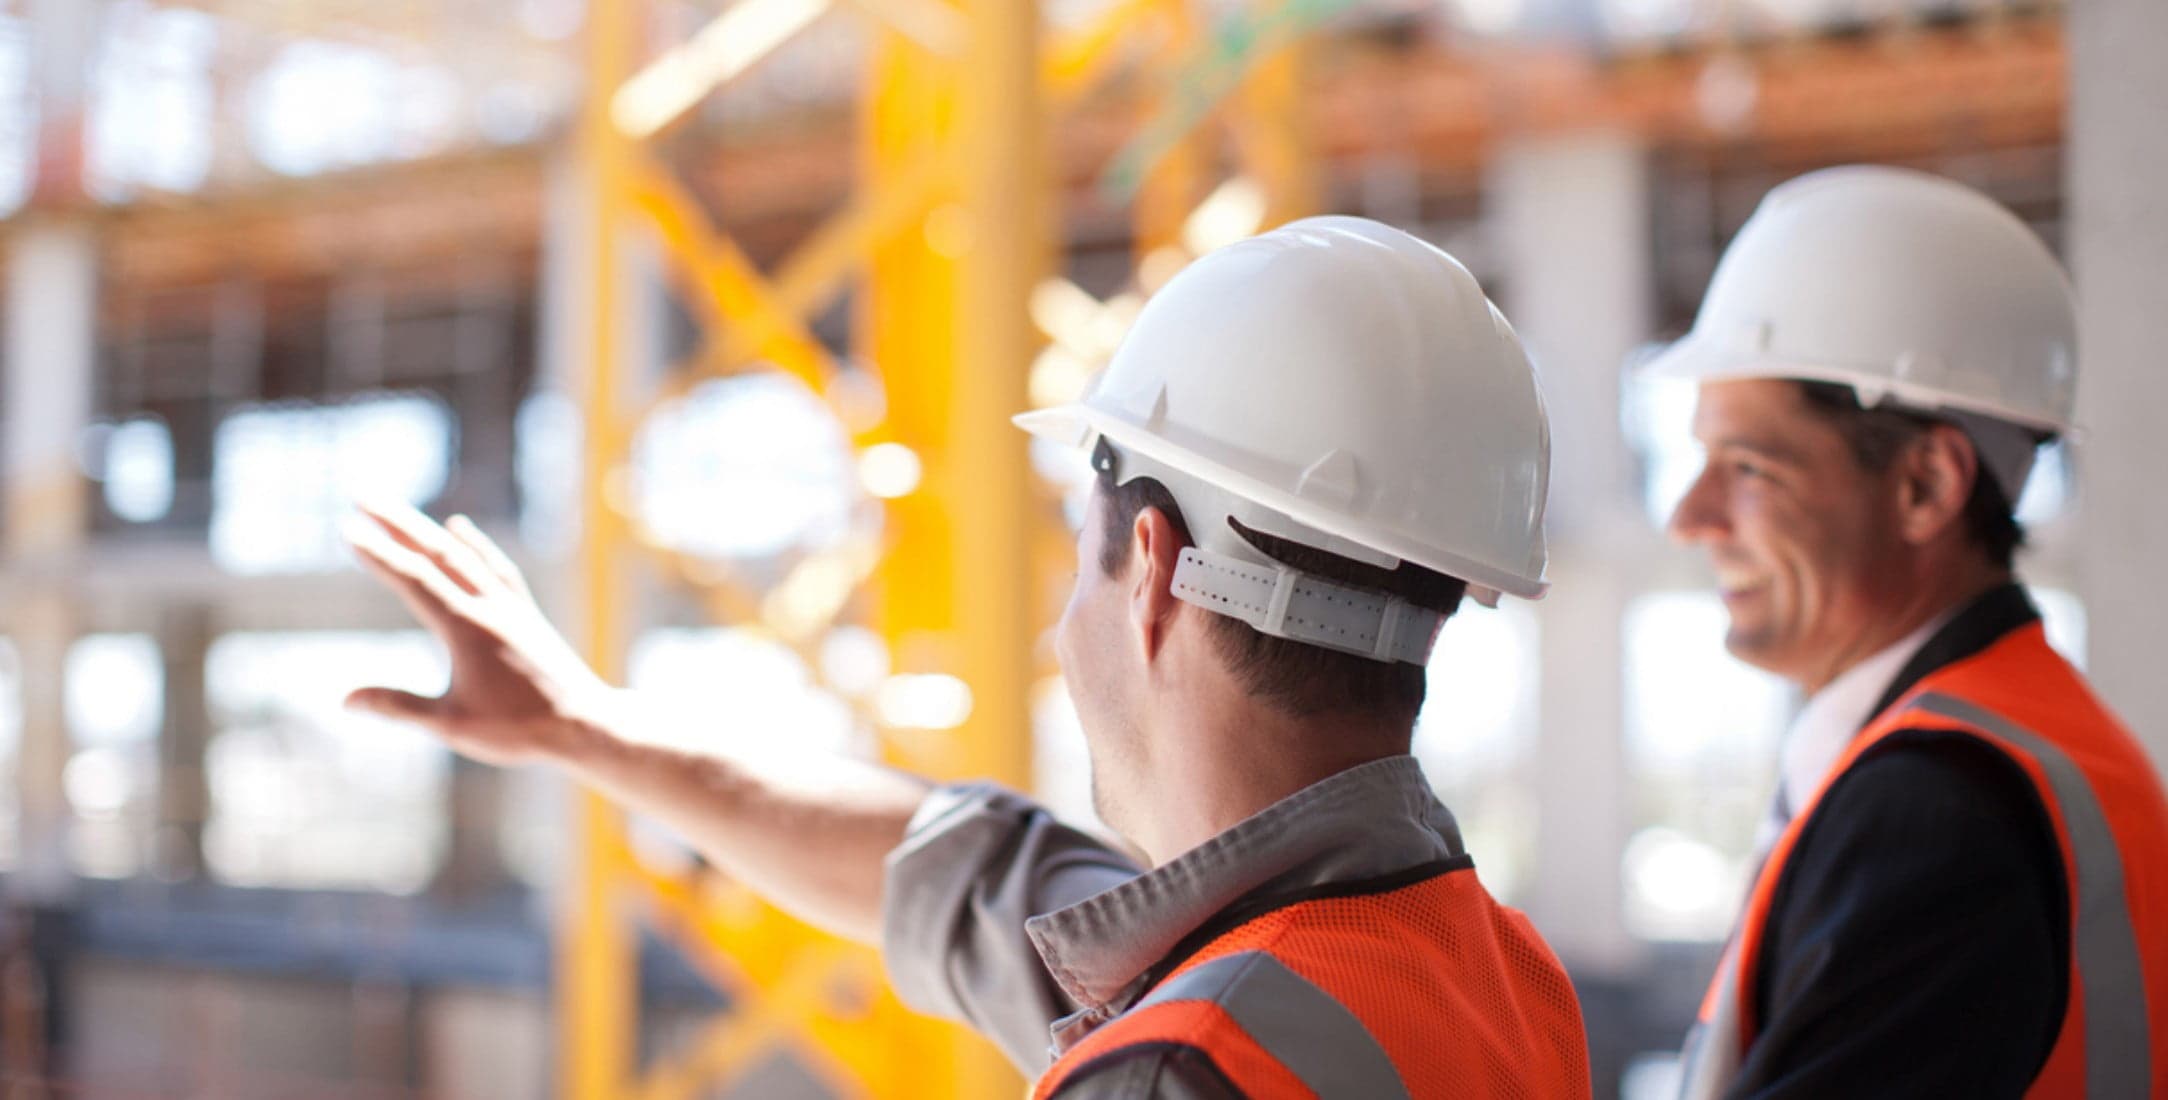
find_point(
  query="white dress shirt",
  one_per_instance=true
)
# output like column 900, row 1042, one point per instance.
column 1826, row 724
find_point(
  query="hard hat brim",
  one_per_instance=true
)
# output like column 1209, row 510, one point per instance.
column 1060, row 424
column 1074, row 424
column 1697, row 359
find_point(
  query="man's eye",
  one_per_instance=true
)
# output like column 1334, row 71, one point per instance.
column 1747, row 469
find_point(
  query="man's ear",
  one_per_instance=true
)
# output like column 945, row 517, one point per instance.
column 1154, row 549
column 1936, row 473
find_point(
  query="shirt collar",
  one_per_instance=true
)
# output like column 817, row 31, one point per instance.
column 1370, row 820
column 1832, row 716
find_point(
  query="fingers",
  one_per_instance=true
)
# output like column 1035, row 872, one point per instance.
column 427, row 591
column 417, row 533
column 401, row 706
column 493, row 556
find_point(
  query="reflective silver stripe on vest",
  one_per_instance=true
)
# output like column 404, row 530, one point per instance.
column 2116, row 1048
column 1711, row 1056
column 1306, row 1028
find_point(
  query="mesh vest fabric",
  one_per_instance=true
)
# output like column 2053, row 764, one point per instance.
column 1458, row 994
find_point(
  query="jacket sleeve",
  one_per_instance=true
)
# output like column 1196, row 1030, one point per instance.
column 1158, row 1071
column 1917, row 941
column 975, row 864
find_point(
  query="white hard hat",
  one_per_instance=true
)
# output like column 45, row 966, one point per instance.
column 1911, row 289
column 1343, row 385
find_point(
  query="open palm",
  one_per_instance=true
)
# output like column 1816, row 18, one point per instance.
column 517, row 689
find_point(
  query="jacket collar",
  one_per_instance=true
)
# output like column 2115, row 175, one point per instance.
column 1369, row 821
column 1986, row 620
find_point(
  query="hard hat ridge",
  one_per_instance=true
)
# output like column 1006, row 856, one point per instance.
column 1913, row 290
column 1342, row 385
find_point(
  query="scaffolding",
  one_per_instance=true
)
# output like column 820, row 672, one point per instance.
column 948, row 236
column 945, row 246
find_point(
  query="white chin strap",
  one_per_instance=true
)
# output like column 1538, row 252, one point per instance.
column 1288, row 603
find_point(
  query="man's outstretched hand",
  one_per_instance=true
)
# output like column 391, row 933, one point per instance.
column 518, row 691
column 520, row 694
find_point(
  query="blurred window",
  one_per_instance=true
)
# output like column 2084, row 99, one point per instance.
column 285, row 478
column 1477, row 731
column 738, row 688
column 18, row 114
column 220, row 403
column 1651, row 1075
column 2063, row 614
column 151, row 100
column 2048, row 491
column 1658, row 419
column 1060, row 758
column 322, row 105
column 1701, row 745
column 305, row 794
column 546, row 466
column 114, row 697
column 745, row 467
column 709, row 689
column 134, row 463
column 1067, row 471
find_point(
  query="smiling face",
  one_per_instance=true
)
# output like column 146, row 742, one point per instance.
column 1800, row 533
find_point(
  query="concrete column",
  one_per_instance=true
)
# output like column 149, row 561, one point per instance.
column 50, row 338
column 1568, row 218
column 185, row 633
column 474, row 864
column 62, row 33
column 2117, row 245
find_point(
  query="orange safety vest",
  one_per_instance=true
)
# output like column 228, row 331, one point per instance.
column 2111, row 823
column 1426, row 990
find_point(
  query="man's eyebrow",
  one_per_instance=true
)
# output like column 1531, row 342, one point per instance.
column 1768, row 449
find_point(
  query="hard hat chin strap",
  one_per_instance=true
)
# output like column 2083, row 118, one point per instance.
column 1227, row 575
column 1288, row 603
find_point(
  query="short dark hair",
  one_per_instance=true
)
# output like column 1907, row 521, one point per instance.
column 1295, row 678
column 1876, row 435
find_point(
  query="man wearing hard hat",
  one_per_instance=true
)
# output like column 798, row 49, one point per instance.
column 1963, row 891
column 1310, row 447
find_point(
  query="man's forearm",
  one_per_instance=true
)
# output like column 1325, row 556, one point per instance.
column 807, row 831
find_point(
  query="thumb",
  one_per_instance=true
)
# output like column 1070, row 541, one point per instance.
column 401, row 706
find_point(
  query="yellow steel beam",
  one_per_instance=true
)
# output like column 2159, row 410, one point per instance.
column 809, row 280
column 912, row 325
column 1006, row 251
column 734, row 1042
column 728, row 282
column 596, row 1007
column 950, row 226
column 935, row 25
column 1272, row 135
column 731, row 44
column 907, row 327
column 1174, row 182
column 1077, row 60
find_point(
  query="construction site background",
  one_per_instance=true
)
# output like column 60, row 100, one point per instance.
column 714, row 312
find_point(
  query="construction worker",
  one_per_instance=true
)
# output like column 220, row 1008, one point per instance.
column 1310, row 446
column 1963, row 891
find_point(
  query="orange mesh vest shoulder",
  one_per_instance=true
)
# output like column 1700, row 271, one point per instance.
column 1428, row 990
column 2111, row 824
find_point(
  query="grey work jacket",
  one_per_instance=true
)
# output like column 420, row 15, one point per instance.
column 1035, row 933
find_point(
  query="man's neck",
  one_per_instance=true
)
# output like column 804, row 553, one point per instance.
column 1933, row 594
column 1233, row 758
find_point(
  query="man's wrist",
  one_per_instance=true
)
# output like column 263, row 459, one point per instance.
column 587, row 730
